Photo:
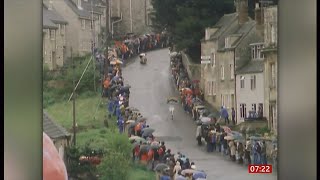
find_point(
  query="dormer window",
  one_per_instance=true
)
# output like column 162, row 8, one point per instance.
column 50, row 5
column 256, row 51
column 79, row 4
column 227, row 42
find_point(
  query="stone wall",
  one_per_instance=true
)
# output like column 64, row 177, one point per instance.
column 194, row 70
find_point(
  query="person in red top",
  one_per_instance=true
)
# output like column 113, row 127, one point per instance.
column 137, row 129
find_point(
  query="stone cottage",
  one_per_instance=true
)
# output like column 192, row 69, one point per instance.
column 230, row 53
column 80, row 31
column 54, row 38
column 130, row 16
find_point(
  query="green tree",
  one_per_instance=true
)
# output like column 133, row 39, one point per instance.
column 186, row 20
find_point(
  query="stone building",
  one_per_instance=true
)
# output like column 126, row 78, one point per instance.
column 230, row 52
column 80, row 32
column 54, row 38
column 130, row 16
column 270, row 51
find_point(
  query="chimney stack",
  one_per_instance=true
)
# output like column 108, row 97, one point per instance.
column 259, row 18
column 242, row 10
column 50, row 5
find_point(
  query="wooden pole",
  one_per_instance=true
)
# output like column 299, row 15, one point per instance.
column 74, row 102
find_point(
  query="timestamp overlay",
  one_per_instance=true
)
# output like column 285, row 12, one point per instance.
column 260, row 169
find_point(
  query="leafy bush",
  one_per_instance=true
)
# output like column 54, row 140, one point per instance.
column 66, row 75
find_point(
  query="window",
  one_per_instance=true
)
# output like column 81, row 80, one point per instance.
column 222, row 72
column 254, row 107
column 47, row 33
column 231, row 71
column 52, row 34
column 59, row 28
column 273, row 75
column 91, row 25
column 226, row 42
column 213, row 59
column 260, row 110
column 214, row 88
column 227, row 96
column 83, row 24
column 241, row 82
column 63, row 29
column 222, row 100
column 99, row 19
column 243, row 111
column 79, row 4
column 209, row 88
column 253, row 82
column 256, row 52
column 273, row 34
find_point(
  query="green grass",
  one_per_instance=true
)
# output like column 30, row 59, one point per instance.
column 139, row 172
column 93, row 130
column 90, row 111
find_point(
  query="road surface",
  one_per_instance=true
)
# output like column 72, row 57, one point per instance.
column 151, row 86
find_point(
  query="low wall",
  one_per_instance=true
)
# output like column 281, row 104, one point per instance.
column 194, row 70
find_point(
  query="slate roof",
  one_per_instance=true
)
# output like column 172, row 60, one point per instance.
column 224, row 22
column 237, row 30
column 52, row 129
column 53, row 15
column 87, row 6
column 81, row 13
column 252, row 67
column 47, row 23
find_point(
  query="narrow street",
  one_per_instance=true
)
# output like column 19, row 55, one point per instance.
column 151, row 86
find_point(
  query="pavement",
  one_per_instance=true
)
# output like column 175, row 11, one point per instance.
column 151, row 85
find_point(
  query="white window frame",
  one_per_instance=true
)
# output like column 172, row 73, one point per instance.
column 253, row 82
column 231, row 71
column 243, row 110
column 273, row 75
column 242, row 82
column 83, row 24
column 222, row 100
column 222, row 72
column 226, row 42
column 273, row 34
column 213, row 59
column 79, row 4
column 256, row 52
column 59, row 28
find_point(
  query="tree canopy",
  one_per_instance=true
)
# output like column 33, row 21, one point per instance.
column 186, row 20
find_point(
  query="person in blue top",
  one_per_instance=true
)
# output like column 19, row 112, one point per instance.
column 120, row 124
column 224, row 114
column 110, row 106
column 118, row 111
column 165, row 176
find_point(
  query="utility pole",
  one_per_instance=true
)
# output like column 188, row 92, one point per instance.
column 74, row 102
